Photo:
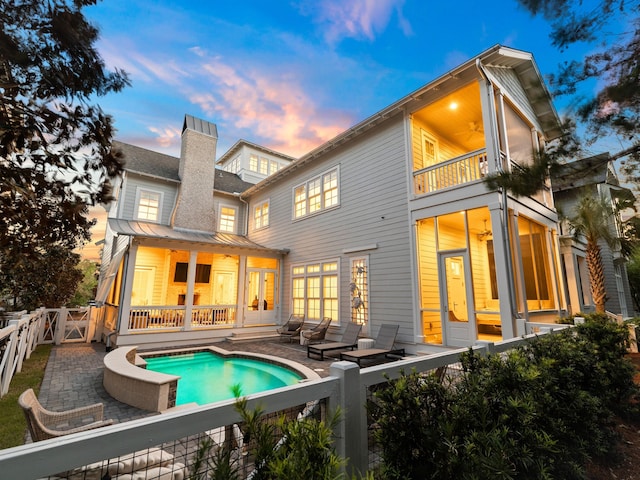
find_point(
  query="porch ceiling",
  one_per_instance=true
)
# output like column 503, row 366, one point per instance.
column 165, row 232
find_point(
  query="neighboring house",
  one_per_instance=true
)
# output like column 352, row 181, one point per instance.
column 593, row 176
column 389, row 222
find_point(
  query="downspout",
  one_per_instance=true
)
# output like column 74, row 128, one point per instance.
column 246, row 212
column 505, row 210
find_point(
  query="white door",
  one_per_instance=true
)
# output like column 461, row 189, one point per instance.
column 261, row 296
column 456, row 300
column 142, row 290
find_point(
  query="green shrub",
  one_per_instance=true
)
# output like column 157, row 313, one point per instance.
column 540, row 411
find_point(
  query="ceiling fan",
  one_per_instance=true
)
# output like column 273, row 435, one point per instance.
column 473, row 128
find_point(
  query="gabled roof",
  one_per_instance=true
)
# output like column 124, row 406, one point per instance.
column 587, row 171
column 497, row 56
column 158, row 165
column 147, row 162
column 139, row 229
column 254, row 146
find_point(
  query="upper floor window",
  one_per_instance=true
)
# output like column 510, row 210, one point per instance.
column 261, row 215
column 317, row 194
column 234, row 165
column 253, row 163
column 274, row 166
column 148, row 205
column 227, row 221
column 264, row 166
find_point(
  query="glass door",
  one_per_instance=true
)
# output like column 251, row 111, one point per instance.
column 260, row 297
column 456, row 299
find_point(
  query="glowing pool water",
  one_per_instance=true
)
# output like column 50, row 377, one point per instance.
column 206, row 377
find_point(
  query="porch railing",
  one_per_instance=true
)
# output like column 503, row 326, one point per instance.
column 180, row 431
column 202, row 316
column 464, row 169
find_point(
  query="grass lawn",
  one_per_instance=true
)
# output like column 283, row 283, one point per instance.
column 12, row 422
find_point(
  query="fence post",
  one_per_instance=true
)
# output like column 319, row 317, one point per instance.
column 521, row 327
column 7, row 361
column 487, row 347
column 353, row 420
column 61, row 326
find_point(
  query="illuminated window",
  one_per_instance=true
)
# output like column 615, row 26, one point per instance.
column 253, row 163
column 274, row 166
column 148, row 205
column 264, row 166
column 315, row 290
column 535, row 264
column 227, row 219
column 261, row 215
column 318, row 194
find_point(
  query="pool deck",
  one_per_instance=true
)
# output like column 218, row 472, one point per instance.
column 73, row 376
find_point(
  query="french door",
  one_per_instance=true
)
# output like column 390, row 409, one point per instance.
column 261, row 295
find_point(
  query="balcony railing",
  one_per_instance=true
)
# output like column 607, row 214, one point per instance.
column 202, row 316
column 464, row 169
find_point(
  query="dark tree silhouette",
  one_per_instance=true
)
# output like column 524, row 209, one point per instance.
column 55, row 143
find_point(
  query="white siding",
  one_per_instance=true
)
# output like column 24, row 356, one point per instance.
column 373, row 211
column 134, row 182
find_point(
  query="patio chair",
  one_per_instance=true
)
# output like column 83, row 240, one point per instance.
column 292, row 328
column 349, row 341
column 317, row 333
column 45, row 424
column 383, row 346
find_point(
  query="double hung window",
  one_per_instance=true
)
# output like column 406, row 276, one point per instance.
column 315, row 290
column 317, row 194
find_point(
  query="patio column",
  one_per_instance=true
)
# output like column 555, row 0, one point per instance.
column 505, row 282
column 191, row 281
column 127, row 287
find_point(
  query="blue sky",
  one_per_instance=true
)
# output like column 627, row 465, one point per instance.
column 291, row 74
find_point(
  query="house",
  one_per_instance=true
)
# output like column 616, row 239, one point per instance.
column 390, row 221
column 593, row 176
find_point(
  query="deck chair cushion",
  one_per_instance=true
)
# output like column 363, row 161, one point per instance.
column 293, row 326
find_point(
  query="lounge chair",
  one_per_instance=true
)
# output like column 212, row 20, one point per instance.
column 45, row 424
column 317, row 333
column 382, row 348
column 349, row 341
column 292, row 328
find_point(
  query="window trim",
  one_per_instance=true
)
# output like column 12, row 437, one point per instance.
column 235, row 218
column 320, row 179
column 320, row 273
column 136, row 208
column 261, row 205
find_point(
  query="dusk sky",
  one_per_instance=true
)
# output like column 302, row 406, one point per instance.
column 292, row 74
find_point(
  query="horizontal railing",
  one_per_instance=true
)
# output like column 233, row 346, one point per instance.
column 17, row 341
column 179, row 432
column 464, row 169
column 202, row 316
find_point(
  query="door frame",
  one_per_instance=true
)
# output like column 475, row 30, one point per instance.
column 457, row 334
column 260, row 316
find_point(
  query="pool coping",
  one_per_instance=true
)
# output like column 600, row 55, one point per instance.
column 127, row 380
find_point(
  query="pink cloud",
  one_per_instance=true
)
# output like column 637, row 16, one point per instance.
column 276, row 109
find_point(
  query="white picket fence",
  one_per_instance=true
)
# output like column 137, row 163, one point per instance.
column 25, row 331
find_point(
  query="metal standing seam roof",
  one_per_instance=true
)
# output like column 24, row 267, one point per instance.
column 138, row 229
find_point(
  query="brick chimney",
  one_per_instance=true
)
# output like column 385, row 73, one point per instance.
column 194, row 206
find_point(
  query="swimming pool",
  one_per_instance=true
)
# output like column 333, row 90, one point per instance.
column 207, row 377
